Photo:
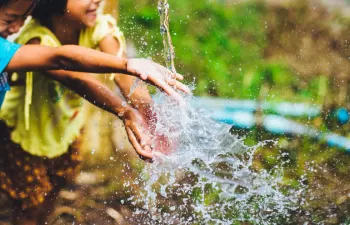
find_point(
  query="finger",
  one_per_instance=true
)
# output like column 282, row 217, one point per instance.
column 171, row 75
column 147, row 148
column 161, row 84
column 179, row 76
column 141, row 132
column 165, row 88
column 136, row 132
column 142, row 137
column 143, row 75
column 171, row 82
column 178, row 85
column 162, row 70
column 133, row 141
column 174, row 76
column 183, row 87
column 137, row 146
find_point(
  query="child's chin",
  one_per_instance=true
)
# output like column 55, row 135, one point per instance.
column 90, row 23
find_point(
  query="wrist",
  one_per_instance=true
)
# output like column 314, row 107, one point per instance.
column 123, row 111
column 125, row 63
column 120, row 65
column 144, row 105
column 145, row 109
column 133, row 68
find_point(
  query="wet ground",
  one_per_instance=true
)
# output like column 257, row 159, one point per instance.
column 83, row 204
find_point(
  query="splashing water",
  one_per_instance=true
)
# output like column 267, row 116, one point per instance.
column 134, row 86
column 210, row 177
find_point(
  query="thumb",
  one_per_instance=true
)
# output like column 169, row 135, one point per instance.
column 144, row 75
column 137, row 146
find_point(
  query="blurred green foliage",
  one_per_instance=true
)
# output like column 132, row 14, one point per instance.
column 220, row 46
column 214, row 44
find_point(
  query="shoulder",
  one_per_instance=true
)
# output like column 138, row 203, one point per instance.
column 32, row 26
column 105, row 19
column 6, row 45
column 7, row 50
column 34, row 30
column 105, row 25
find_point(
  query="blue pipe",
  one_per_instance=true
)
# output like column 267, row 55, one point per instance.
column 288, row 109
column 280, row 125
column 280, row 108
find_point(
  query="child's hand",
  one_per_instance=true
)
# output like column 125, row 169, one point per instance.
column 160, row 143
column 157, row 75
column 138, row 134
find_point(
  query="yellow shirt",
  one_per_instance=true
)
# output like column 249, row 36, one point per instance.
column 105, row 25
column 45, row 116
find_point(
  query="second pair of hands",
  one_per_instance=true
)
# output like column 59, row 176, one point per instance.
column 140, row 123
column 140, row 126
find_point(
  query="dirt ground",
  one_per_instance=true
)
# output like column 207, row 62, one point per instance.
column 97, row 194
column 81, row 204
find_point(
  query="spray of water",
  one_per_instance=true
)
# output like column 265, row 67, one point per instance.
column 210, row 178
column 169, row 51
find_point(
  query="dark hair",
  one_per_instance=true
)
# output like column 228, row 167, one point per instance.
column 46, row 8
column 4, row 3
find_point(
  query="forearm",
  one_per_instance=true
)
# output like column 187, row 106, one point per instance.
column 140, row 97
column 81, row 59
column 69, row 57
column 34, row 57
column 91, row 89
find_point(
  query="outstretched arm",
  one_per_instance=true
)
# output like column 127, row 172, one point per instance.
column 75, row 58
column 100, row 95
column 67, row 57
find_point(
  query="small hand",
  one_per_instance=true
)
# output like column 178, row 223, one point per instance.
column 139, row 137
column 157, row 75
column 160, row 143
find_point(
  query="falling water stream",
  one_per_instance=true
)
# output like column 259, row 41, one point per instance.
column 169, row 52
column 210, row 178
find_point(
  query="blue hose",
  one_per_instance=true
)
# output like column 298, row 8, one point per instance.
column 280, row 125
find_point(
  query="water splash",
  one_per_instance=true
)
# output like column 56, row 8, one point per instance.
column 134, row 86
column 169, row 51
column 210, row 177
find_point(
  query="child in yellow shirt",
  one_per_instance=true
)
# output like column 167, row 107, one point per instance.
column 40, row 142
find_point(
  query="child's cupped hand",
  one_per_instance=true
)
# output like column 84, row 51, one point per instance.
column 138, row 133
column 140, row 128
column 160, row 143
column 158, row 76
